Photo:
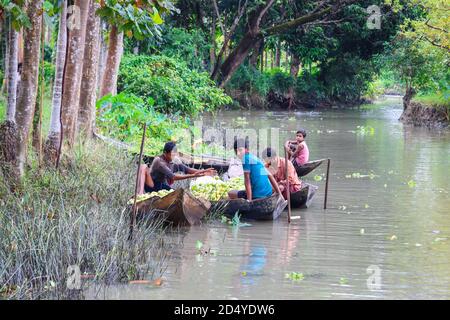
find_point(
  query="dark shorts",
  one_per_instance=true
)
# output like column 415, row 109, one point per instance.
column 242, row 194
column 157, row 187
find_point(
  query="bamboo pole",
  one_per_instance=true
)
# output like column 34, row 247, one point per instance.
column 326, row 185
column 288, row 193
column 138, row 175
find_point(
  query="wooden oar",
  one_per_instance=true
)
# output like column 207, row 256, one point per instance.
column 288, row 193
column 138, row 175
column 326, row 186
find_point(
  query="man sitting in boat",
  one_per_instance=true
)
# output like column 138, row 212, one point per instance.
column 163, row 171
column 277, row 167
column 258, row 181
column 297, row 149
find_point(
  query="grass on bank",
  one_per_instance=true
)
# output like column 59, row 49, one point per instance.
column 75, row 217
column 437, row 100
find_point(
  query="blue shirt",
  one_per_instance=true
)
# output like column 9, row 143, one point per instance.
column 259, row 179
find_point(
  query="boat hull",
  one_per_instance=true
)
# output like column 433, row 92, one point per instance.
column 303, row 197
column 308, row 167
column 179, row 208
column 260, row 209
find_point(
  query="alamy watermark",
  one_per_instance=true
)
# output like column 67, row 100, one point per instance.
column 374, row 279
column 374, row 19
column 73, row 277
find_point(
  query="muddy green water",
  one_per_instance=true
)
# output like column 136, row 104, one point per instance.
column 406, row 234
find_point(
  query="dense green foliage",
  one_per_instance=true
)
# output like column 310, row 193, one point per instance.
column 171, row 84
column 122, row 117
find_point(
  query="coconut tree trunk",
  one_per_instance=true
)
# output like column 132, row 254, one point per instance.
column 72, row 76
column 103, row 53
column 88, row 97
column 55, row 120
column 115, row 50
column 26, row 99
column 37, row 119
column 13, row 56
column 4, row 88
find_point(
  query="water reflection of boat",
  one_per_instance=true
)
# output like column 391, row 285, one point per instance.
column 269, row 208
column 179, row 208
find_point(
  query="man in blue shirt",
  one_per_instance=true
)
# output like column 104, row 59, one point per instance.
column 259, row 183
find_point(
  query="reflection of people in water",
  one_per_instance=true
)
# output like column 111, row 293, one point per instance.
column 254, row 265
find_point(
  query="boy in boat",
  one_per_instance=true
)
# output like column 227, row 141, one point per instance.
column 297, row 149
column 277, row 167
column 258, row 181
column 162, row 172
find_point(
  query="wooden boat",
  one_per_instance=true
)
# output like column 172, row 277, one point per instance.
column 260, row 209
column 303, row 197
column 179, row 208
column 305, row 169
column 196, row 162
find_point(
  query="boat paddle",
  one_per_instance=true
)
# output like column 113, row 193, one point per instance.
column 287, row 184
column 134, row 212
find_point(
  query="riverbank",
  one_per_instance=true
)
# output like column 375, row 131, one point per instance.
column 75, row 219
column 425, row 113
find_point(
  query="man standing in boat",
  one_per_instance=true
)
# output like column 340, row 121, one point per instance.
column 163, row 171
column 258, row 181
column 277, row 167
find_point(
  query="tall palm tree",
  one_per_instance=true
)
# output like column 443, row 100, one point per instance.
column 115, row 50
column 26, row 98
column 55, row 120
column 73, row 73
column 86, row 114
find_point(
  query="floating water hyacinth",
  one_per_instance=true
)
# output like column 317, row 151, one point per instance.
column 199, row 245
column 236, row 221
column 295, row 276
column 411, row 183
column 365, row 130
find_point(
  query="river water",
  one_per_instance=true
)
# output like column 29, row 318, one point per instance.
column 385, row 234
